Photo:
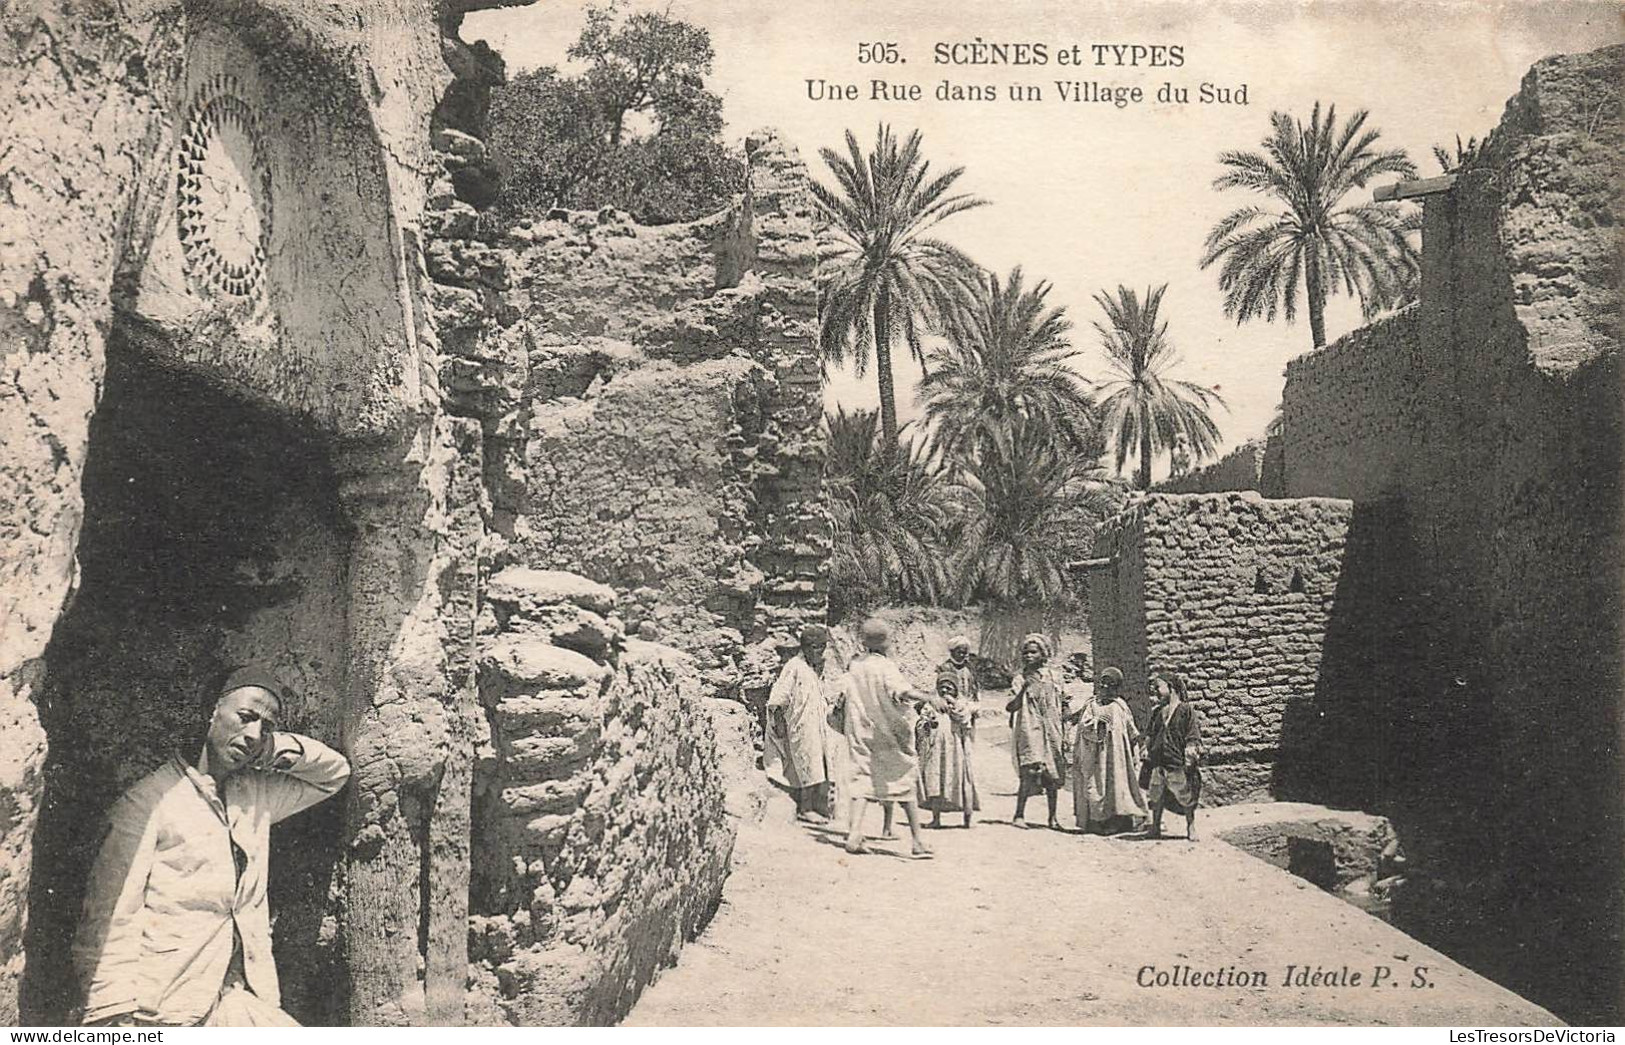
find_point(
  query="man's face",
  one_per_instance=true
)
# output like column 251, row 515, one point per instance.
column 242, row 723
column 813, row 653
column 1032, row 655
column 959, row 655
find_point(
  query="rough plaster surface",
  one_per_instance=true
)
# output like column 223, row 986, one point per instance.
column 661, row 407
column 607, row 798
column 1489, row 415
column 91, row 266
column 1247, row 467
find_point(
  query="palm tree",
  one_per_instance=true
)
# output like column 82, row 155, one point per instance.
column 884, row 277
column 1031, row 507
column 1142, row 405
column 892, row 508
column 1361, row 249
column 1004, row 363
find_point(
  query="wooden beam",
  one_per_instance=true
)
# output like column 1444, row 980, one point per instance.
column 1079, row 565
column 1405, row 190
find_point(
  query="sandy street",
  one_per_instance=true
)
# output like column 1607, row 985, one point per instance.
column 1018, row 927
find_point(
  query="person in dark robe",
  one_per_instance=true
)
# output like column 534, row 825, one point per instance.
column 1172, row 772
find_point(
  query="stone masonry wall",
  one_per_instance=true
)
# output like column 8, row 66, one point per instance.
column 1236, row 593
column 602, row 830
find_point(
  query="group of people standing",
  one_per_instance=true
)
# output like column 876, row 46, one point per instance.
column 1119, row 776
column 877, row 738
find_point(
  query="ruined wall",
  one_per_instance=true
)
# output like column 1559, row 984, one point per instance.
column 602, row 831
column 1237, row 594
column 669, row 417
column 1247, row 467
column 276, row 402
column 216, row 206
column 1486, row 420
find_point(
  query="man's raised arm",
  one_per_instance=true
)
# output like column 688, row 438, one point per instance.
column 298, row 772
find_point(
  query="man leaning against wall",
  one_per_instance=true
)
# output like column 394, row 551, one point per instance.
column 176, row 928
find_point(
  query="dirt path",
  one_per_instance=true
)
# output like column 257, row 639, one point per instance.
column 1020, row 927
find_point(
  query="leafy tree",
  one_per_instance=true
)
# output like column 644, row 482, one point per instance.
column 884, row 277
column 574, row 141
column 649, row 64
column 893, row 508
column 1310, row 236
column 1142, row 406
column 1003, row 366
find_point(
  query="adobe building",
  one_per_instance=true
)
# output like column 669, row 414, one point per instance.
column 273, row 391
column 1408, row 600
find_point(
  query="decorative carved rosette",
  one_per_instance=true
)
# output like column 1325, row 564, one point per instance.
column 223, row 197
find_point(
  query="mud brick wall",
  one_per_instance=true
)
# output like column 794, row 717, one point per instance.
column 1236, row 593
column 1355, row 411
column 669, row 427
column 605, row 810
column 1486, row 418
column 1240, row 469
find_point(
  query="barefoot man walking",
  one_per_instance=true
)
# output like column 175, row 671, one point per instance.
column 880, row 734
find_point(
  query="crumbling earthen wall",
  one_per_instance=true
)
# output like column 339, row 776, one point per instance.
column 217, row 207
column 603, row 830
column 1236, row 593
column 277, row 396
column 1356, row 410
column 1489, row 414
column 669, row 413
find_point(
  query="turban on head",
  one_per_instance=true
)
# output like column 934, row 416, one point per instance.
column 958, row 642
column 1040, row 640
column 875, row 633
column 1111, row 677
column 815, row 634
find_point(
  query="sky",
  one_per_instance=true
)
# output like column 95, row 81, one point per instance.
column 1088, row 196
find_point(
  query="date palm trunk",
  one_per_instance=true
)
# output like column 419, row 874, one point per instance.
column 1315, row 287
column 1145, row 453
column 883, row 371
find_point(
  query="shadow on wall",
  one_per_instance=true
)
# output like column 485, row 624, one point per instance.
column 1351, row 743
column 211, row 536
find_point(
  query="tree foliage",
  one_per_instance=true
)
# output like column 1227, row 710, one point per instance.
column 894, row 507
column 1308, row 236
column 1143, row 408
column 636, row 130
column 1004, row 367
column 1026, row 498
column 885, row 278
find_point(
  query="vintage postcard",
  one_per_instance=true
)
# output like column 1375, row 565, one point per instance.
column 703, row 512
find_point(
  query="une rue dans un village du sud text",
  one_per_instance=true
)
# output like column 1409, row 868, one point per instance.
column 977, row 52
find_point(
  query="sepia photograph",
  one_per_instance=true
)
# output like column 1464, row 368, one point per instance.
column 918, row 513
